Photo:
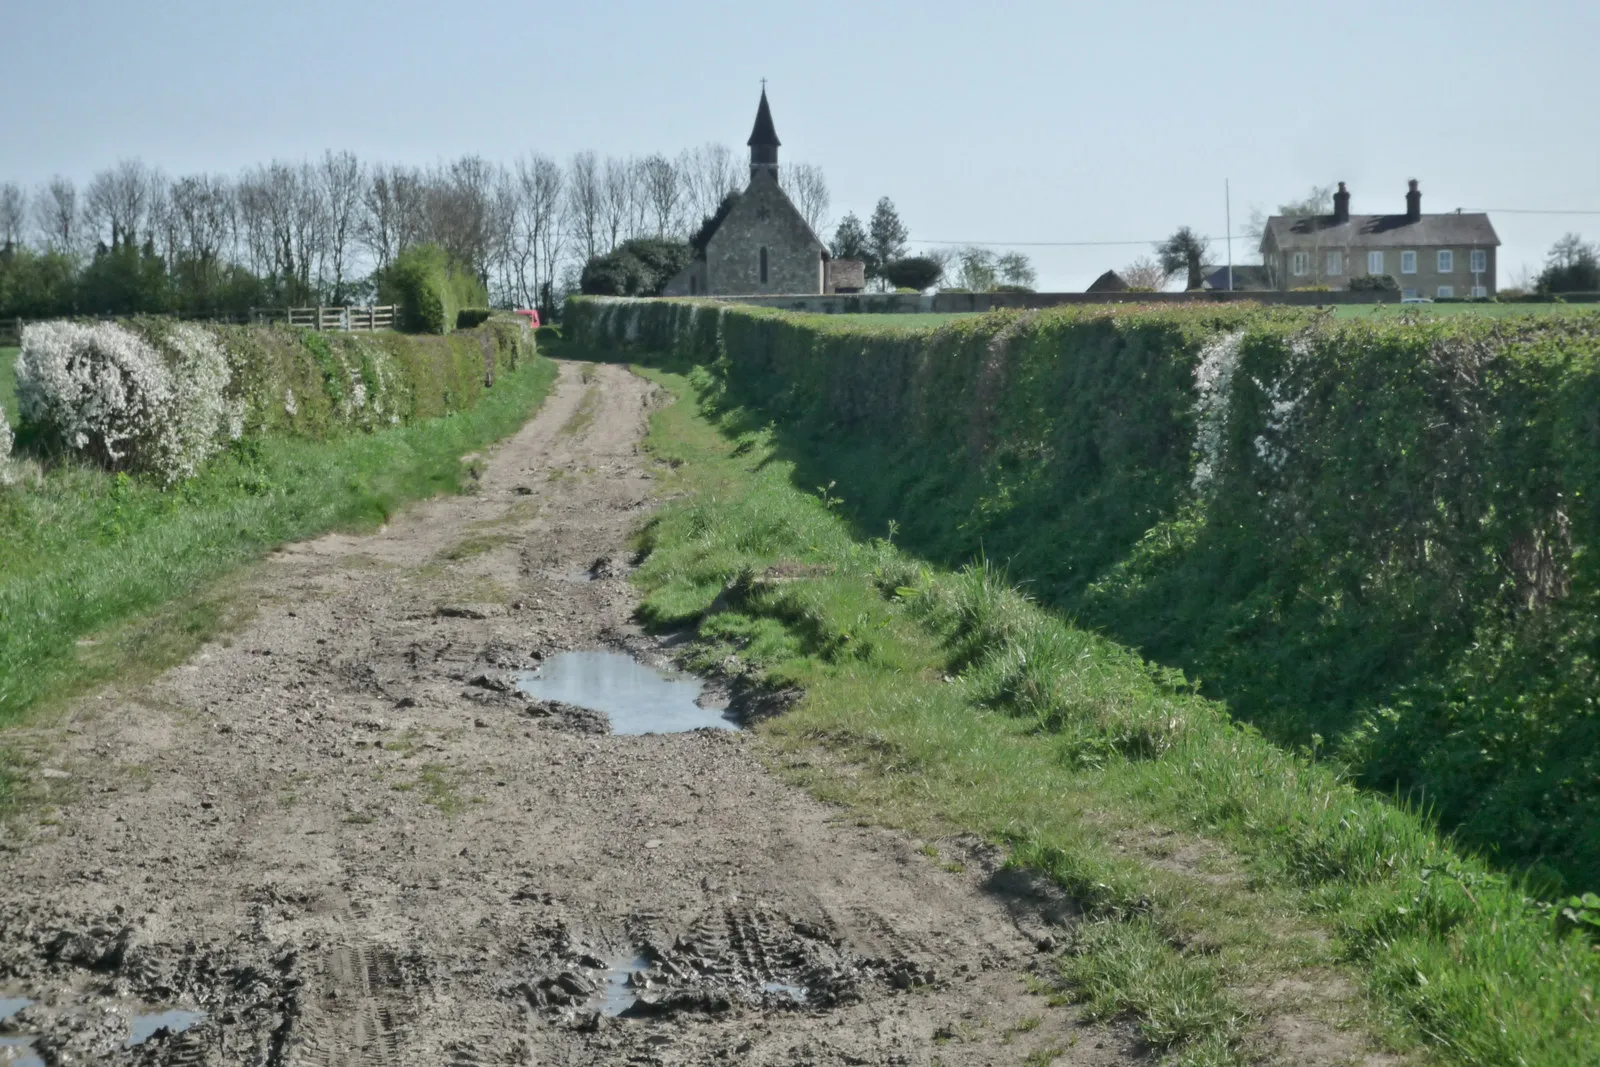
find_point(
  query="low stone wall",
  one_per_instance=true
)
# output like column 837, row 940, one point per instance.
column 907, row 303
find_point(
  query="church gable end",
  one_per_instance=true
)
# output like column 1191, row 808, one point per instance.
column 764, row 245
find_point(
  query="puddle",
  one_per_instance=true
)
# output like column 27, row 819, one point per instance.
column 175, row 1021
column 619, row 993
column 18, row 1052
column 637, row 699
column 9, row 1006
column 795, row 993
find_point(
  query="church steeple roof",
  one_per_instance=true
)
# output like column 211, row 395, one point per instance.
column 765, row 135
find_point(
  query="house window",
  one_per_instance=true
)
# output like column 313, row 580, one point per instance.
column 1408, row 294
column 1301, row 263
column 1408, row 263
column 1447, row 261
column 763, row 264
column 1374, row 262
column 1335, row 262
column 1480, row 292
column 1447, row 291
column 1480, row 261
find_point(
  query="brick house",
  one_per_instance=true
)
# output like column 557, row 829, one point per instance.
column 1450, row 255
column 764, row 245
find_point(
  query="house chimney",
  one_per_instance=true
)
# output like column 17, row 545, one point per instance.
column 1341, row 205
column 1414, row 203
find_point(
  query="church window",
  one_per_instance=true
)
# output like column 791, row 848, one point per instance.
column 763, row 264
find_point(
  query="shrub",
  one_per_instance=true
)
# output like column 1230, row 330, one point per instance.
column 1374, row 283
column 640, row 267
column 429, row 289
column 116, row 398
column 1312, row 289
column 5, row 449
column 915, row 273
column 470, row 318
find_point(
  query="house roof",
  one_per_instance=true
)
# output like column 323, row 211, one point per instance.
column 1246, row 276
column 1380, row 231
column 1109, row 282
column 764, row 133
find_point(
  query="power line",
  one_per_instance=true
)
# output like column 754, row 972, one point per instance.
column 1066, row 244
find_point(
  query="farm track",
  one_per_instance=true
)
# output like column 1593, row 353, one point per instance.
column 339, row 833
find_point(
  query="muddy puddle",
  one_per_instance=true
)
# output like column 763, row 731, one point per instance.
column 16, row 1050
column 176, row 1021
column 637, row 699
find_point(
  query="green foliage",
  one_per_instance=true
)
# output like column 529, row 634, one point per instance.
column 956, row 704
column 849, row 239
column 37, row 285
column 125, row 280
column 1387, row 551
column 886, row 238
column 640, row 267
column 915, row 273
column 1185, row 251
column 430, row 289
column 1374, row 283
column 1573, row 267
column 471, row 318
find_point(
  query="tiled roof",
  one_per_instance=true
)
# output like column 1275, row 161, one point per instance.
column 1381, row 231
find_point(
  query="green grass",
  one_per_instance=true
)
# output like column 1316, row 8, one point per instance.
column 1490, row 310
column 123, row 563
column 8, row 383
column 950, row 702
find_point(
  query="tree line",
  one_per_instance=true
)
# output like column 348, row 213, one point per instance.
column 135, row 240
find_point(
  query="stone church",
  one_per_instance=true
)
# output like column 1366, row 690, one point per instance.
column 764, row 245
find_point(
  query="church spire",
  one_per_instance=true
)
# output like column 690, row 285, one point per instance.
column 764, row 139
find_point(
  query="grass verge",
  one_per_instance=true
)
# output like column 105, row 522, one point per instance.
column 1208, row 862
column 84, row 553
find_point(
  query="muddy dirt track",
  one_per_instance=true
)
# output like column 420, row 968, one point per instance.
column 343, row 835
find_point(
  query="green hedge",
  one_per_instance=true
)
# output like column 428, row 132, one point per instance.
column 430, row 289
column 467, row 318
column 1370, row 538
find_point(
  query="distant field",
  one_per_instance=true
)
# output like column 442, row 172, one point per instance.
column 1367, row 311
column 8, row 383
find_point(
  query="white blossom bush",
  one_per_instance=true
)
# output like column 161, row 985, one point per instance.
column 1213, row 385
column 109, row 395
column 6, row 440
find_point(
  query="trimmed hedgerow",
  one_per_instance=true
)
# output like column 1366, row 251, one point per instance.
column 1371, row 539
column 161, row 397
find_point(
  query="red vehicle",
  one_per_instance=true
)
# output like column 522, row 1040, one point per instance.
column 531, row 315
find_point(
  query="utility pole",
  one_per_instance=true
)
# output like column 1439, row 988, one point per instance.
column 1227, row 197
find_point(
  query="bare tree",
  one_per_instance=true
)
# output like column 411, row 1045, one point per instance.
column 663, row 188
column 535, row 241
column 13, row 210
column 55, row 213
column 203, row 216
column 619, row 189
column 808, row 189
column 461, row 211
column 1145, row 273
column 391, row 215
column 585, row 203
column 117, row 203
column 341, row 178
column 709, row 173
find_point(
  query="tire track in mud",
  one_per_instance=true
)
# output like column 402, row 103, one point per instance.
column 342, row 834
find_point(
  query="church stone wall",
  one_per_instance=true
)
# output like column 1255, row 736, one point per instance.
column 763, row 218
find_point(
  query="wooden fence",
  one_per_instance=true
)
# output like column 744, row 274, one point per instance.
column 381, row 317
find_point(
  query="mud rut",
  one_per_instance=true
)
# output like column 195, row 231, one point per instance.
column 343, row 837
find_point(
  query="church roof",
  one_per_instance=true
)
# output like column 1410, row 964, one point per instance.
column 764, row 134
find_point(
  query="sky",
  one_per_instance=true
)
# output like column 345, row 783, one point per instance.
column 1008, row 122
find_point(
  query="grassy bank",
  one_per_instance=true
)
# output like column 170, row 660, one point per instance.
column 8, row 382
column 1208, row 862
column 1370, row 538
column 83, row 552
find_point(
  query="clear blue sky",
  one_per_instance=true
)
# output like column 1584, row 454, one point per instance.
column 1036, row 120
